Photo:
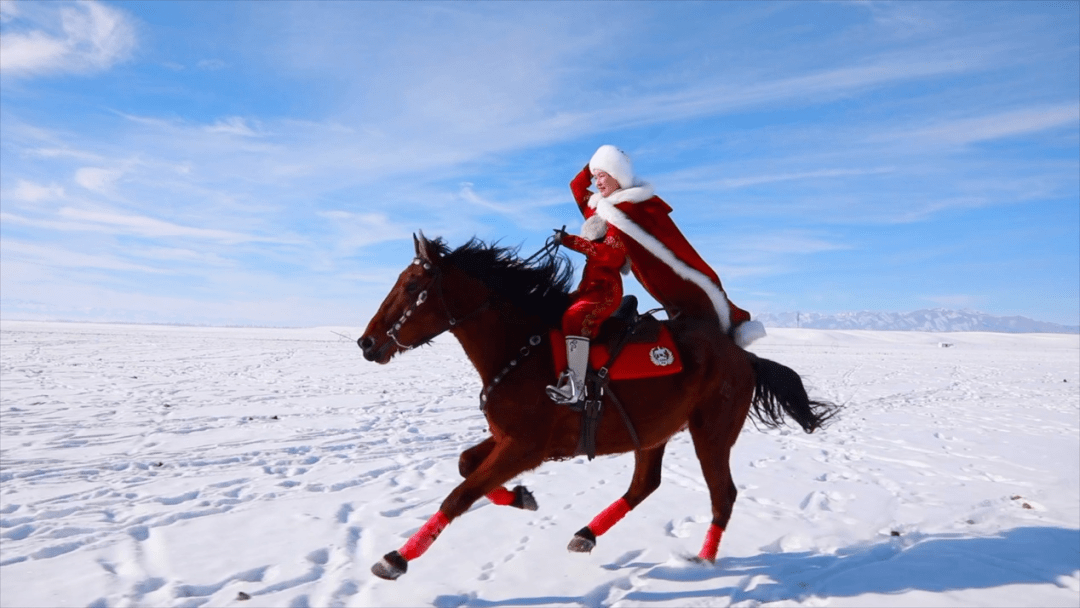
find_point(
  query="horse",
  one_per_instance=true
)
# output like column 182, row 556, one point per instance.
column 501, row 309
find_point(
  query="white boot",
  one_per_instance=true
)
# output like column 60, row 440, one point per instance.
column 571, row 388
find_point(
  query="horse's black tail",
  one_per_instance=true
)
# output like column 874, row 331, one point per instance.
column 778, row 390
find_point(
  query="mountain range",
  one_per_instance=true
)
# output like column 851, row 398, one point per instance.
column 934, row 319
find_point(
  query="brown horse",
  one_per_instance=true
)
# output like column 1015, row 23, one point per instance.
column 501, row 309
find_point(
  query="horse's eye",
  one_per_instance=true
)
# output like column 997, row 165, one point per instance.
column 412, row 286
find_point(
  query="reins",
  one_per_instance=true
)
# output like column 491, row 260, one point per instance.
column 551, row 245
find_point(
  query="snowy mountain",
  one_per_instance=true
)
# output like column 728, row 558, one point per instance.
column 935, row 319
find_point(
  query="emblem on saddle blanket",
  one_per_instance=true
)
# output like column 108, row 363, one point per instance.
column 650, row 359
column 661, row 356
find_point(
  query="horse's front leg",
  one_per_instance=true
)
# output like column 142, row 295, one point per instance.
column 520, row 497
column 646, row 479
column 505, row 460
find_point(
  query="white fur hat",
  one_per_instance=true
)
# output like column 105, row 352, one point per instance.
column 594, row 228
column 615, row 163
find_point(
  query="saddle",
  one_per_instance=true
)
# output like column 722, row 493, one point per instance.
column 628, row 346
column 642, row 346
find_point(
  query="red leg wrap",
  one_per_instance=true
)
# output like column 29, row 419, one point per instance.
column 501, row 496
column 609, row 516
column 712, row 543
column 419, row 543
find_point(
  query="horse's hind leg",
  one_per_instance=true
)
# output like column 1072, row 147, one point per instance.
column 713, row 435
column 520, row 497
column 646, row 479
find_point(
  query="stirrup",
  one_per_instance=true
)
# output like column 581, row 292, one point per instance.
column 567, row 391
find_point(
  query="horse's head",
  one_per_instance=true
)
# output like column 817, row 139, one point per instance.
column 417, row 308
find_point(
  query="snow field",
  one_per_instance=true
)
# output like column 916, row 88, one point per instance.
column 183, row 466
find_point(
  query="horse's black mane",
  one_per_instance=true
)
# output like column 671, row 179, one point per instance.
column 540, row 288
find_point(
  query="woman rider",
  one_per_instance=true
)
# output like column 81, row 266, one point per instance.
column 660, row 256
column 597, row 297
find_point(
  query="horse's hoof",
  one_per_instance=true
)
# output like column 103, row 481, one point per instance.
column 391, row 566
column 583, row 542
column 524, row 499
column 701, row 561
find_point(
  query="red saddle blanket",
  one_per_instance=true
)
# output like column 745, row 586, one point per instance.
column 637, row 360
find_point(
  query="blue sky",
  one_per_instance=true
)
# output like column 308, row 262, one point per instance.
column 267, row 163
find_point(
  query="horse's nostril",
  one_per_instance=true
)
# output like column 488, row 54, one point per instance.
column 366, row 343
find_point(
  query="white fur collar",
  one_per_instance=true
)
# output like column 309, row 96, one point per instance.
column 642, row 191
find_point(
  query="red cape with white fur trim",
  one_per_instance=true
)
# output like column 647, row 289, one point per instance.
column 661, row 257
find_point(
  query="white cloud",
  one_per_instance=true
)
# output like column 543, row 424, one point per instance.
column 469, row 195
column 234, row 125
column 997, row 126
column 728, row 272
column 114, row 223
column 97, row 179
column 188, row 257
column 211, row 64
column 8, row 10
column 358, row 230
column 70, row 37
column 57, row 257
column 791, row 241
column 32, row 193
column 690, row 180
column 150, row 227
column 803, row 89
column 905, row 19
column 63, row 152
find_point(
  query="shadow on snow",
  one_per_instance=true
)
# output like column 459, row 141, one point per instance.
column 934, row 563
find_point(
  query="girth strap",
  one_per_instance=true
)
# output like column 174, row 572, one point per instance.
column 597, row 385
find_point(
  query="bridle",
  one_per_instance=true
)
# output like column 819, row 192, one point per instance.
column 436, row 284
column 549, row 249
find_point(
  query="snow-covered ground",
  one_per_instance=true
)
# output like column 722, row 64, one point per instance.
column 181, row 466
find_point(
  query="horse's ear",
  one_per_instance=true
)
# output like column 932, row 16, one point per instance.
column 421, row 247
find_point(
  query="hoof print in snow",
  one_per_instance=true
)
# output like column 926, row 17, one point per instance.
column 1026, row 506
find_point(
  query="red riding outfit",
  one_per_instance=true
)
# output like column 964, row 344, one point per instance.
column 597, row 297
column 661, row 258
column 600, row 292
